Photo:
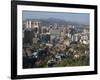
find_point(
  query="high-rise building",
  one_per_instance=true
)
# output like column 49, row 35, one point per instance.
column 35, row 26
column 27, row 24
column 27, row 37
column 75, row 37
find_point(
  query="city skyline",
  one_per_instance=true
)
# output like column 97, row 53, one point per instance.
column 55, row 46
column 82, row 18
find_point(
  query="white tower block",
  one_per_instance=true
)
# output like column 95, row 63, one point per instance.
column 36, row 24
column 29, row 24
column 26, row 24
column 73, row 26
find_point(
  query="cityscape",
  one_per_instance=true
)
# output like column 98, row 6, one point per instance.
column 55, row 41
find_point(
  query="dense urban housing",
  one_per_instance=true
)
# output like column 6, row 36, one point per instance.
column 54, row 45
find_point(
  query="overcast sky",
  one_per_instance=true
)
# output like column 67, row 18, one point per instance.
column 74, row 17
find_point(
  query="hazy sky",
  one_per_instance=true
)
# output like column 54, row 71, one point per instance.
column 75, row 17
